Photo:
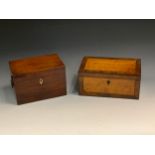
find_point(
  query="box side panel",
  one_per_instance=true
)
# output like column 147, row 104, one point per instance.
column 137, row 88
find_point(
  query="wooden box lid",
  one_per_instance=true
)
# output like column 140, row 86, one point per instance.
column 111, row 66
column 35, row 64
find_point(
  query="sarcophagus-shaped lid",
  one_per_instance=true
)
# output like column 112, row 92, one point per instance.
column 35, row 64
column 111, row 66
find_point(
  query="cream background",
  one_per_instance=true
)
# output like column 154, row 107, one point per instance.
column 74, row 114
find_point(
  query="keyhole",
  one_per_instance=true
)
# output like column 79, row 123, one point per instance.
column 108, row 82
column 41, row 81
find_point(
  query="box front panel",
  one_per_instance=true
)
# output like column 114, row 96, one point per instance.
column 40, row 86
column 102, row 86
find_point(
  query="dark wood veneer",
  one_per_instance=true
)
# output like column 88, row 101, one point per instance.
column 38, row 78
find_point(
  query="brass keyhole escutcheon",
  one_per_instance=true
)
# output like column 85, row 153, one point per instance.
column 108, row 82
column 41, row 81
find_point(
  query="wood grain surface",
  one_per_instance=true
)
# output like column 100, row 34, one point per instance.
column 35, row 64
column 111, row 65
column 109, row 85
column 38, row 78
column 114, row 77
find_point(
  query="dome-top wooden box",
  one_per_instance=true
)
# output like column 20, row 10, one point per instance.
column 113, row 77
column 38, row 78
